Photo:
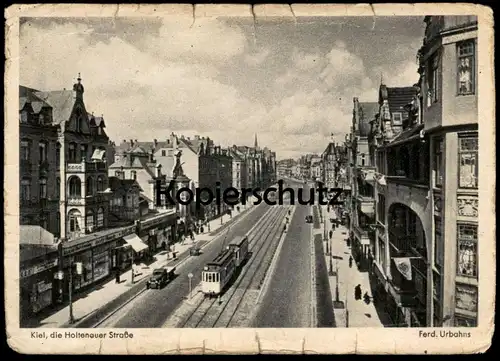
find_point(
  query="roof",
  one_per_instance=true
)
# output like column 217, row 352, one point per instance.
column 116, row 183
column 222, row 258
column 31, row 251
column 398, row 97
column 368, row 111
column 238, row 240
column 62, row 104
column 35, row 235
column 140, row 162
column 406, row 134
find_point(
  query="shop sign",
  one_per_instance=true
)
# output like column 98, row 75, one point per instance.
column 98, row 241
column 38, row 268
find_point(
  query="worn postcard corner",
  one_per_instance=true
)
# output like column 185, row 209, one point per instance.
column 249, row 179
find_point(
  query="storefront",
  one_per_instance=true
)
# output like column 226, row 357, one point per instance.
column 37, row 285
column 97, row 256
column 135, row 249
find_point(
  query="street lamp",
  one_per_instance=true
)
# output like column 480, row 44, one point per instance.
column 78, row 266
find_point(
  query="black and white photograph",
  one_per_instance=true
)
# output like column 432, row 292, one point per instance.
column 254, row 172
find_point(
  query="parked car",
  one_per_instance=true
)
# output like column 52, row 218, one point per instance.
column 194, row 251
column 160, row 277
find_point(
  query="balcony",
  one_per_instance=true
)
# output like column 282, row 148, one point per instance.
column 366, row 205
column 75, row 201
column 84, row 167
column 362, row 233
column 368, row 174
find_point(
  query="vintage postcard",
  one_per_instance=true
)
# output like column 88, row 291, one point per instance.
column 209, row 179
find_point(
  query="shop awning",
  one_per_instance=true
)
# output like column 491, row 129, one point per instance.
column 135, row 242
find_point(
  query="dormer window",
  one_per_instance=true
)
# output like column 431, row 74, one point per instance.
column 397, row 118
column 24, row 117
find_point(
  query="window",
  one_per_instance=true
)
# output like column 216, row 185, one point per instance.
column 90, row 186
column 438, row 243
column 468, row 155
column 397, row 118
column 432, row 80
column 25, row 190
column 42, row 147
column 74, row 221
column 100, row 184
column 43, row 221
column 133, row 174
column 25, row 150
column 43, row 188
column 466, row 67
column 83, row 152
column 75, row 187
column 100, row 218
column 72, row 153
column 24, row 117
column 58, row 224
column 381, row 208
column 58, row 188
column 464, row 322
column 99, row 130
column 467, row 250
column 438, row 162
column 58, row 155
column 163, row 153
column 89, row 221
column 362, row 160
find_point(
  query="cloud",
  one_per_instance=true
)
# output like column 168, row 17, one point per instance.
column 208, row 39
column 257, row 58
column 177, row 80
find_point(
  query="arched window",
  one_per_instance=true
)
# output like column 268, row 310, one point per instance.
column 58, row 154
column 89, row 221
column 58, row 188
column 25, row 149
column 74, row 217
column 43, row 148
column 72, row 153
column 90, row 186
column 100, row 184
column 58, row 224
column 75, row 187
column 43, row 188
column 25, row 190
column 83, row 152
column 100, row 218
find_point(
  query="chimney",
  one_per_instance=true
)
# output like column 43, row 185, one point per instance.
column 131, row 142
column 124, row 141
column 158, row 171
column 174, row 142
column 151, row 157
column 156, row 142
column 168, row 141
column 136, row 141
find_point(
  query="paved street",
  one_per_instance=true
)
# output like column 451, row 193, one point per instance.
column 287, row 302
column 153, row 307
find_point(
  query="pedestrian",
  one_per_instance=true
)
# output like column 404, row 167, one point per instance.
column 366, row 298
column 117, row 276
column 348, row 242
column 357, row 292
column 350, row 261
column 284, row 228
column 331, row 233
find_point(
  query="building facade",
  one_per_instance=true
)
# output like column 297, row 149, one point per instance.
column 39, row 163
column 425, row 145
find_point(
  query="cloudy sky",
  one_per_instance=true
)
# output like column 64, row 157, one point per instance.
column 291, row 82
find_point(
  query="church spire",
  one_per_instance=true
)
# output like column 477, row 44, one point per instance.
column 256, row 144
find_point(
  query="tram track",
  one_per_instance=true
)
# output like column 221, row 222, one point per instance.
column 196, row 315
column 222, row 316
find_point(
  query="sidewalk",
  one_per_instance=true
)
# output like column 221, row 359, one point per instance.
column 86, row 303
column 356, row 312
